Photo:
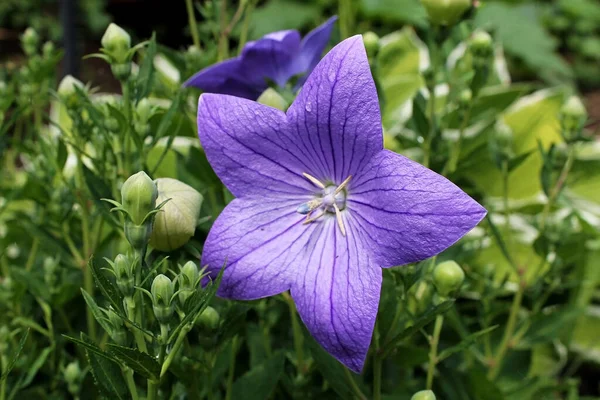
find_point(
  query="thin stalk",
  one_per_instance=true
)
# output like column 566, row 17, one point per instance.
column 223, row 46
column 153, row 384
column 433, row 48
column 297, row 332
column 505, row 176
column 435, row 340
column 193, row 25
column 128, row 373
column 246, row 25
column 180, row 340
column 455, row 154
column 345, row 11
column 137, row 335
column 377, row 364
column 357, row 392
column 508, row 332
column 231, row 372
column 128, row 132
column 32, row 254
column 558, row 187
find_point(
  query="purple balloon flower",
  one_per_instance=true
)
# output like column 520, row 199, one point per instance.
column 277, row 56
column 321, row 207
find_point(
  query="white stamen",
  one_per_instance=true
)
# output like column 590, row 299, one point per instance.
column 340, row 221
column 313, row 180
column 308, row 219
column 342, row 185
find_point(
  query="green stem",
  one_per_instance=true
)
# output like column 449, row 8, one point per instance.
column 193, row 25
column 231, row 372
column 32, row 254
column 357, row 392
column 137, row 335
column 435, row 340
column 506, row 209
column 297, row 332
column 433, row 48
column 377, row 364
column 508, row 332
column 128, row 132
column 345, row 12
column 558, row 187
column 180, row 339
column 246, row 25
column 3, row 366
column 455, row 154
column 128, row 372
column 223, row 48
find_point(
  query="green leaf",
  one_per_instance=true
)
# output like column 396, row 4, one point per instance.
column 278, row 15
column 260, row 381
column 107, row 287
column 419, row 323
column 90, row 346
column 548, row 327
column 35, row 367
column 145, row 78
column 140, row 362
column 96, row 311
column 15, row 357
column 465, row 343
column 107, row 373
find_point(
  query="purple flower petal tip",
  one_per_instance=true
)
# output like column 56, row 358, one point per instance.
column 321, row 207
column 277, row 57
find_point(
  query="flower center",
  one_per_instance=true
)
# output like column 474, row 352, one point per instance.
column 332, row 200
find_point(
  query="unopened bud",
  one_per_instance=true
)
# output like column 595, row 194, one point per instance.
column 209, row 319
column 123, row 268
column 423, row 395
column 188, row 280
column 464, row 98
column 121, row 71
column 116, row 42
column 138, row 195
column 445, row 12
column 503, row 137
column 73, row 376
column 118, row 333
column 176, row 221
column 572, row 117
column 481, row 44
column 67, row 90
column 271, row 98
column 372, row 45
column 48, row 49
column 162, row 292
column 30, row 41
column 448, row 278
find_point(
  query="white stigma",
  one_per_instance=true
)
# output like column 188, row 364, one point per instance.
column 332, row 200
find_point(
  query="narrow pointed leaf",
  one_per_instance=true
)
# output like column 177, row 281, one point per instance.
column 15, row 357
column 140, row 362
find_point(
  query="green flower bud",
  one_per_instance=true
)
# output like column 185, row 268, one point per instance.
column 464, row 98
column 209, row 319
column 139, row 195
column 572, row 117
column 271, row 98
column 72, row 373
column 448, row 278
column 116, row 42
column 481, row 44
column 118, row 333
column 124, row 270
column 372, row 45
column 30, row 41
column 121, row 71
column 423, row 395
column 112, row 124
column 144, row 109
column 193, row 58
column 48, row 49
column 176, row 221
column 138, row 236
column 445, row 12
column 503, row 137
column 188, row 280
column 67, row 90
column 162, row 292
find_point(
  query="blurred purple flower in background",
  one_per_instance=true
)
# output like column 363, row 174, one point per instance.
column 277, row 57
column 321, row 207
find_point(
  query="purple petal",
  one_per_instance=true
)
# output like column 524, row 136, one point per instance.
column 245, row 142
column 337, row 292
column 260, row 241
column 270, row 57
column 224, row 78
column 312, row 47
column 336, row 114
column 409, row 212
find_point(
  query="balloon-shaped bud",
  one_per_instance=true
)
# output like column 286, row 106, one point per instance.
column 445, row 12
column 116, row 43
column 371, row 41
column 139, row 194
column 209, row 319
column 188, row 280
column 30, row 41
column 481, row 44
column 448, row 277
column 423, row 395
column 162, row 290
column 572, row 117
column 176, row 222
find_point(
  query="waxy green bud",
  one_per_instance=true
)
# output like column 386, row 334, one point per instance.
column 117, row 333
column 138, row 195
column 73, row 376
column 423, row 395
column 445, row 12
column 121, row 71
column 176, row 221
column 209, row 319
column 372, row 45
column 572, row 117
column 188, row 280
column 162, row 291
column 48, row 49
column 271, row 98
column 67, row 90
column 116, row 42
column 464, row 98
column 124, row 269
column 448, row 278
column 481, row 44
column 30, row 41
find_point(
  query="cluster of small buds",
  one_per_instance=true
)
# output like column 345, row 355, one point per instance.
column 116, row 45
column 188, row 281
column 448, row 277
column 117, row 330
column 123, row 268
column 445, row 12
column 162, row 293
column 423, row 395
column 73, row 377
column 573, row 116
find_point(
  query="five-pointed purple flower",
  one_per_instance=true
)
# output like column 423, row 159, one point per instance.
column 277, row 57
column 321, row 207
